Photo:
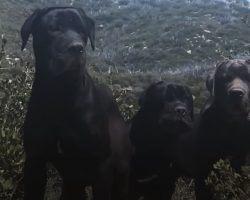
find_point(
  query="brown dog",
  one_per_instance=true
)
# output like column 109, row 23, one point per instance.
column 224, row 127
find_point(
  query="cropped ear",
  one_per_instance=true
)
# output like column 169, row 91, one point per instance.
column 210, row 79
column 90, row 27
column 151, row 93
column 190, row 98
column 218, row 66
column 27, row 27
column 210, row 83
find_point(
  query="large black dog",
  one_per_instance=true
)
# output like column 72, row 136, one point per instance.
column 224, row 127
column 71, row 121
column 166, row 113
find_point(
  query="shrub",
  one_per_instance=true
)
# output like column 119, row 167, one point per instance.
column 226, row 184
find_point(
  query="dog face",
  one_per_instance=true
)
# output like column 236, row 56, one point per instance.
column 232, row 86
column 172, row 105
column 60, row 36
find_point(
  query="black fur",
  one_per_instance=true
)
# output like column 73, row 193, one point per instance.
column 71, row 121
column 166, row 113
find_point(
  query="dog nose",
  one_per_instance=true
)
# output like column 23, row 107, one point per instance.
column 181, row 111
column 236, row 94
column 76, row 48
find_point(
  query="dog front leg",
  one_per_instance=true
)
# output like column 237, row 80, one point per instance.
column 73, row 190
column 102, row 190
column 120, row 188
column 34, row 178
column 201, row 190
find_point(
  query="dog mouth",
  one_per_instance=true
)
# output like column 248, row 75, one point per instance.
column 179, row 122
column 66, row 54
column 238, row 110
column 174, row 129
column 60, row 65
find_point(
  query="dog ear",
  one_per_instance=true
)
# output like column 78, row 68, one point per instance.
column 150, row 94
column 218, row 66
column 27, row 27
column 190, row 99
column 90, row 27
column 210, row 79
column 210, row 83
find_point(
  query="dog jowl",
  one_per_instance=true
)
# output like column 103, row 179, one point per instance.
column 71, row 121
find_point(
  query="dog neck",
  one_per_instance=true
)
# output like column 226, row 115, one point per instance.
column 216, row 113
column 61, row 91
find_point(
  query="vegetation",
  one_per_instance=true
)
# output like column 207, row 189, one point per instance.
column 138, row 42
column 227, row 184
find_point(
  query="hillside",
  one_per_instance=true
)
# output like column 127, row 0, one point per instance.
column 139, row 41
column 145, row 35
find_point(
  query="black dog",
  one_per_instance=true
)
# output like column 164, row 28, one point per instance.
column 166, row 113
column 224, row 127
column 71, row 121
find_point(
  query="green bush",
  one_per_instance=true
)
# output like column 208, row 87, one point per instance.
column 12, row 113
column 226, row 184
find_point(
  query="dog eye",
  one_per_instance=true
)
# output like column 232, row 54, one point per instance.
column 56, row 28
column 59, row 27
column 226, row 78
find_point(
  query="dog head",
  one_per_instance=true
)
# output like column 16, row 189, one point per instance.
column 170, row 104
column 231, row 86
column 60, row 35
